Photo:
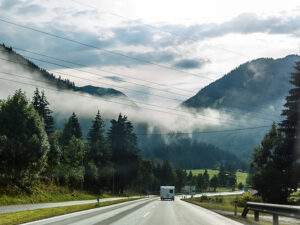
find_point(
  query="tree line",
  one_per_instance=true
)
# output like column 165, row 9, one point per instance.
column 226, row 177
column 33, row 151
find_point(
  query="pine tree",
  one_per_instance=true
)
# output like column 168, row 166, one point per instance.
column 222, row 175
column 71, row 128
column 267, row 178
column 287, row 155
column 41, row 104
column 190, row 177
column 96, row 132
column 206, row 179
column 214, row 182
column 98, row 163
column 123, row 143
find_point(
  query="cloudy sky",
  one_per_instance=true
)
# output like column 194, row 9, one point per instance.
column 154, row 51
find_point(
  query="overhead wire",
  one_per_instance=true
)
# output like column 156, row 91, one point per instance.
column 226, row 104
column 191, row 115
column 119, row 87
column 103, row 49
column 81, row 43
column 217, row 131
column 156, row 28
column 203, row 132
column 111, row 72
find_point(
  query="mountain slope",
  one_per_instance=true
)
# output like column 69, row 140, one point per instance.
column 249, row 87
column 253, row 93
column 15, row 58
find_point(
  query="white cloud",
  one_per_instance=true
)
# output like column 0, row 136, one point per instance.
column 227, row 33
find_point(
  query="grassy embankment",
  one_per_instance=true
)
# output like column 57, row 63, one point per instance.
column 38, row 214
column 240, row 176
column 44, row 193
column 226, row 203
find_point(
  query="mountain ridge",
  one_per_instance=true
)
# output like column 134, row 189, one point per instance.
column 15, row 57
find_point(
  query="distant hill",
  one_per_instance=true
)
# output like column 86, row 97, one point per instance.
column 255, row 89
column 101, row 92
column 52, row 80
column 250, row 86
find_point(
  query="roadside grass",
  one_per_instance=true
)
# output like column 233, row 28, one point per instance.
column 295, row 198
column 223, row 203
column 38, row 214
column 240, row 176
column 249, row 220
column 228, row 206
column 224, row 206
column 46, row 193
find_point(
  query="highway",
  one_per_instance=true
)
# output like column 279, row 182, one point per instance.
column 148, row 211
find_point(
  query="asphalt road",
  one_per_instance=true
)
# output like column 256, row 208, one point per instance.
column 149, row 211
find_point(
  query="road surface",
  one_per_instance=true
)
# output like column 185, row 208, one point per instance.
column 17, row 208
column 216, row 194
column 149, row 211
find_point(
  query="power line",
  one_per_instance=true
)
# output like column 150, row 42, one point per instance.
column 103, row 49
column 152, row 105
column 185, row 111
column 158, row 29
column 98, row 75
column 176, row 99
column 94, row 47
column 217, row 131
column 228, row 106
column 111, row 72
column 206, row 132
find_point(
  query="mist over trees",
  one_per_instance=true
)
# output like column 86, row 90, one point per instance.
column 101, row 163
column 187, row 153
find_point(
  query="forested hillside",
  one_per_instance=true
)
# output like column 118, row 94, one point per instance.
column 199, row 154
column 253, row 92
column 15, row 59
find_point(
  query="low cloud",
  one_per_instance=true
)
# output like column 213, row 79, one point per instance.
column 190, row 63
column 115, row 78
column 31, row 9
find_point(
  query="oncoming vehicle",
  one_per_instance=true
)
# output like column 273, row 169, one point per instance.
column 167, row 192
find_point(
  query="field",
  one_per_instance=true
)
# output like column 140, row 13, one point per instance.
column 241, row 176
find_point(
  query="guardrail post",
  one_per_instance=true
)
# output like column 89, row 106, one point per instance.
column 256, row 215
column 275, row 219
column 98, row 201
column 235, row 207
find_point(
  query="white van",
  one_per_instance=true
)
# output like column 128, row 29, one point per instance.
column 167, row 192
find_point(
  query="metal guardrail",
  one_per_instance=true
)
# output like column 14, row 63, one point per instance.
column 275, row 209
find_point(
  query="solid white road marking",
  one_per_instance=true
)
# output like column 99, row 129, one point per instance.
column 147, row 214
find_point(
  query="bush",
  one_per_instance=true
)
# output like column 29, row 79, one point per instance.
column 203, row 198
column 219, row 199
column 240, row 186
column 247, row 197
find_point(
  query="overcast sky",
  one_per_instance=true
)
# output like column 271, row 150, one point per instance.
column 190, row 43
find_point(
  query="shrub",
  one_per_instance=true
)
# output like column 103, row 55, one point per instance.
column 240, row 186
column 203, row 198
column 219, row 199
column 247, row 197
